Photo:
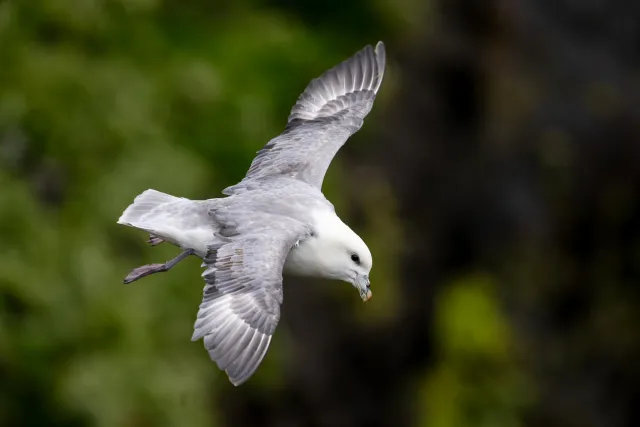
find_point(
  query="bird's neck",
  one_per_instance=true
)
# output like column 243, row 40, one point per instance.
column 314, row 256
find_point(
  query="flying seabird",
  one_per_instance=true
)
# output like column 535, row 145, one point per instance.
column 276, row 220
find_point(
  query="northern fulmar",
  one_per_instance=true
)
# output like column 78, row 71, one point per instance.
column 276, row 220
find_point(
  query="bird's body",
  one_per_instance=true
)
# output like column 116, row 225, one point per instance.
column 275, row 220
column 187, row 223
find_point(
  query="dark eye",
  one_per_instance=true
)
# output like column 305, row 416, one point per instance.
column 355, row 258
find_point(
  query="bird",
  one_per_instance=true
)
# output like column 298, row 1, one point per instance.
column 274, row 222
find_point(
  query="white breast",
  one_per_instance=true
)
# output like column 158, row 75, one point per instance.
column 316, row 255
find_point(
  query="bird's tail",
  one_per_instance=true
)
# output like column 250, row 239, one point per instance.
column 143, row 212
column 182, row 222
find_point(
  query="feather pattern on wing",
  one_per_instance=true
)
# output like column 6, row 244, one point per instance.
column 327, row 113
column 241, row 301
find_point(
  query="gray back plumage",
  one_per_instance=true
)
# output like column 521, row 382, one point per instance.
column 327, row 113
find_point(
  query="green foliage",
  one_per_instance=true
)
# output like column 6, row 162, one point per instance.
column 99, row 101
column 102, row 99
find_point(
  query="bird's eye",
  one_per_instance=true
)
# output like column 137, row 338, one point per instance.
column 355, row 258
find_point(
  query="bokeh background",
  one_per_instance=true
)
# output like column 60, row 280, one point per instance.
column 497, row 182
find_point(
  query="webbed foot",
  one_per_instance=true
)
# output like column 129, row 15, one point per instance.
column 154, row 241
column 145, row 270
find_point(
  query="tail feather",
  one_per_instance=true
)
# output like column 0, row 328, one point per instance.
column 179, row 221
column 141, row 210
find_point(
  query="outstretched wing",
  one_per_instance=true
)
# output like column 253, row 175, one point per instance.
column 243, row 292
column 329, row 111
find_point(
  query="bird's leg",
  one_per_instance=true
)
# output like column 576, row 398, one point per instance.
column 145, row 270
column 154, row 240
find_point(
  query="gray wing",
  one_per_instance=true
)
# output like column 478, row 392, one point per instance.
column 243, row 292
column 329, row 111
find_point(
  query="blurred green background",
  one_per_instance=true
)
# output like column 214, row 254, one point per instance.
column 496, row 182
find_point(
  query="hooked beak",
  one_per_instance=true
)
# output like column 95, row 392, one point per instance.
column 362, row 281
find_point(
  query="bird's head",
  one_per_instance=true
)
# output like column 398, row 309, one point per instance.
column 346, row 257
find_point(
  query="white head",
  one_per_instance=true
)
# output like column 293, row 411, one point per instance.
column 334, row 252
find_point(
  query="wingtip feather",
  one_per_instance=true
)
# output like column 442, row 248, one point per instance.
column 363, row 71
